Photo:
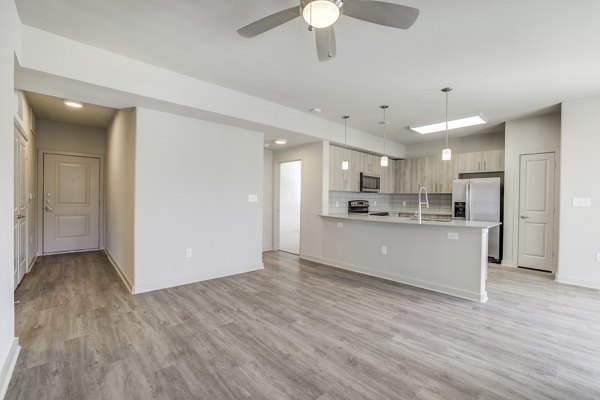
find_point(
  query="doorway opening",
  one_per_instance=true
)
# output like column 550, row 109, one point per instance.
column 290, row 190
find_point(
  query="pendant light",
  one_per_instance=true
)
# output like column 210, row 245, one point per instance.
column 447, row 152
column 384, row 159
column 345, row 164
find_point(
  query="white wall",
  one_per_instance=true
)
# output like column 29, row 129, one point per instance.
column 268, row 201
column 120, row 193
column 9, row 45
column 580, row 227
column 315, row 192
column 192, row 184
column 102, row 77
column 465, row 144
column 59, row 136
column 525, row 136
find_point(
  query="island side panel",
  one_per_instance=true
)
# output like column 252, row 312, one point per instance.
column 418, row 255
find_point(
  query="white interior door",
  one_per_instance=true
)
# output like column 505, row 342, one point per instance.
column 290, row 177
column 20, row 208
column 536, row 211
column 71, row 203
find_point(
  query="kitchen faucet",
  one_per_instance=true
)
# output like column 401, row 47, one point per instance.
column 426, row 202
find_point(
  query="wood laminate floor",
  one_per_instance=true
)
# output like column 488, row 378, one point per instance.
column 300, row 330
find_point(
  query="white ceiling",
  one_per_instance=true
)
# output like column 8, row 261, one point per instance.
column 505, row 59
column 53, row 108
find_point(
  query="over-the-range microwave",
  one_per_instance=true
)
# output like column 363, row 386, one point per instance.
column 370, row 183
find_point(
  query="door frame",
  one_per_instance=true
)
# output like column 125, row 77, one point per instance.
column 517, row 211
column 19, row 128
column 40, row 196
column 276, row 180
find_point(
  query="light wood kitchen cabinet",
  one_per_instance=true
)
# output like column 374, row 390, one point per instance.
column 344, row 180
column 432, row 172
column 371, row 164
column 483, row 161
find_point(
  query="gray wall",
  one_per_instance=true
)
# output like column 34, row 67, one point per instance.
column 466, row 144
column 59, row 136
column 119, row 193
column 525, row 136
column 192, row 184
column 268, row 201
column 580, row 227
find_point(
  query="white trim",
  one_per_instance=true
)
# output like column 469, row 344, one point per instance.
column 569, row 280
column 119, row 270
column 9, row 366
column 30, row 266
column 148, row 287
column 482, row 298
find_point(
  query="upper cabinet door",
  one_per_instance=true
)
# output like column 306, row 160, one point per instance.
column 485, row 161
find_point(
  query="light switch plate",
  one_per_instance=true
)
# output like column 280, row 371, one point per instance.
column 453, row 235
column 582, row 202
column 252, row 198
column 188, row 253
column 384, row 250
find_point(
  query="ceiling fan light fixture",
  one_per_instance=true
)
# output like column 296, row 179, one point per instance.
column 321, row 13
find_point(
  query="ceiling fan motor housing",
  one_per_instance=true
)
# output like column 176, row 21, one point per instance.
column 320, row 13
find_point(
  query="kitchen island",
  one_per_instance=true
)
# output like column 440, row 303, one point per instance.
column 444, row 256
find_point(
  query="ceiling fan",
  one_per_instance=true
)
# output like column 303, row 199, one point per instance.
column 322, row 14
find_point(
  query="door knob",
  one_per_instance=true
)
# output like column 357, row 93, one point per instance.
column 524, row 217
column 48, row 209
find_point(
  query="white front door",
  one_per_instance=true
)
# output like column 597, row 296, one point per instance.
column 20, row 208
column 536, row 211
column 71, row 203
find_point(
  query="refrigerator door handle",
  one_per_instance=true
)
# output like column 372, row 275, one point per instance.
column 468, row 215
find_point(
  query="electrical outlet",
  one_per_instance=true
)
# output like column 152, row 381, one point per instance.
column 453, row 235
column 374, row 203
column 188, row 253
column 403, row 204
column 384, row 250
column 337, row 203
column 252, row 198
column 598, row 257
column 340, row 224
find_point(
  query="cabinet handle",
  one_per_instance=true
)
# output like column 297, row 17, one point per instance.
column 478, row 165
column 485, row 165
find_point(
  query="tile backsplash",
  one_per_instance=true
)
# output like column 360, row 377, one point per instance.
column 438, row 202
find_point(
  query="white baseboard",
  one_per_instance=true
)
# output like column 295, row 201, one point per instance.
column 482, row 298
column 148, row 287
column 569, row 280
column 9, row 366
column 120, row 272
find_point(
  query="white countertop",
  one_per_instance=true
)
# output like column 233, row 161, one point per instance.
column 403, row 220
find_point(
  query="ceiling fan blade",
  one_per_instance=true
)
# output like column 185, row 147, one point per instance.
column 270, row 22
column 325, row 43
column 381, row 13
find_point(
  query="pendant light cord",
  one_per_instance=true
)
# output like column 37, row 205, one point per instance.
column 384, row 123
column 447, row 92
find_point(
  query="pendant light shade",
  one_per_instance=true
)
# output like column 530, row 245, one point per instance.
column 447, row 152
column 345, row 164
column 384, row 159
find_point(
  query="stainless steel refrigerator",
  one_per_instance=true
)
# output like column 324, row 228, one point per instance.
column 480, row 199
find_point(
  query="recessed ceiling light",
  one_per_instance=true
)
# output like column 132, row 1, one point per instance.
column 280, row 141
column 73, row 104
column 315, row 110
column 454, row 124
column 267, row 145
